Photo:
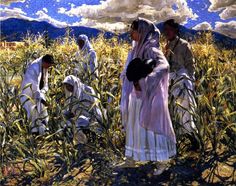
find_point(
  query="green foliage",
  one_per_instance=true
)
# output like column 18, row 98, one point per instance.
column 57, row 152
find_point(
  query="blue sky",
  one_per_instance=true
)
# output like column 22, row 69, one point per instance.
column 201, row 8
column 62, row 12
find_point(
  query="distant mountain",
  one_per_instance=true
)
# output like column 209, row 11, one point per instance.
column 14, row 29
column 191, row 34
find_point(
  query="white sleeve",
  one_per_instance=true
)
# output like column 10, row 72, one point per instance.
column 32, row 77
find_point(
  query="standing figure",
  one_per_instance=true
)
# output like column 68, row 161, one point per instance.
column 181, row 60
column 144, row 103
column 87, row 56
column 34, row 87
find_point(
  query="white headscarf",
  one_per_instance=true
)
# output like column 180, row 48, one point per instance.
column 89, row 54
column 87, row 45
column 149, row 35
column 78, row 86
column 81, row 92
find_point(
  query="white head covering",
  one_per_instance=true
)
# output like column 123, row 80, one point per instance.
column 78, row 86
column 149, row 35
column 89, row 58
column 81, row 92
column 87, row 45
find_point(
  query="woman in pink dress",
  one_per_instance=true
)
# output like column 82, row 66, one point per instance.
column 144, row 103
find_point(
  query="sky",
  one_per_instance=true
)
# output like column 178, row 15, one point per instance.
column 116, row 15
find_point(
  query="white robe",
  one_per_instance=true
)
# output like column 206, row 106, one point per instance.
column 87, row 59
column 31, row 95
column 182, row 91
column 80, row 101
column 143, row 144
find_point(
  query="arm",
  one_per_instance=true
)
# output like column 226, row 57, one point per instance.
column 162, row 67
column 32, row 77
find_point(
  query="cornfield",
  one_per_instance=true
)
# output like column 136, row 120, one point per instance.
column 57, row 159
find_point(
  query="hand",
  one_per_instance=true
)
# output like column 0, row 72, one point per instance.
column 137, row 86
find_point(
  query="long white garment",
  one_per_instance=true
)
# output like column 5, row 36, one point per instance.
column 87, row 59
column 80, row 101
column 143, row 144
column 182, row 91
column 32, row 95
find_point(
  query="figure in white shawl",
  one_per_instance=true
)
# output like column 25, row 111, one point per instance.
column 144, row 103
column 33, row 97
column 181, row 60
column 87, row 58
column 81, row 103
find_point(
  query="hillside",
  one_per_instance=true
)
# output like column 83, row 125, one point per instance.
column 15, row 29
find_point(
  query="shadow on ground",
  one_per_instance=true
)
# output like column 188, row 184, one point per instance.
column 93, row 168
column 183, row 171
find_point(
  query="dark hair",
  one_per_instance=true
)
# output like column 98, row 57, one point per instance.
column 172, row 23
column 48, row 59
column 138, row 69
column 134, row 25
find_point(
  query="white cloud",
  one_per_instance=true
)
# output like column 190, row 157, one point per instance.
column 228, row 28
column 72, row 5
column 42, row 16
column 228, row 12
column 115, row 26
column 13, row 13
column 8, row 2
column 228, row 8
column 203, row 26
column 45, row 10
column 61, row 10
column 217, row 5
column 18, row 13
column 115, row 12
